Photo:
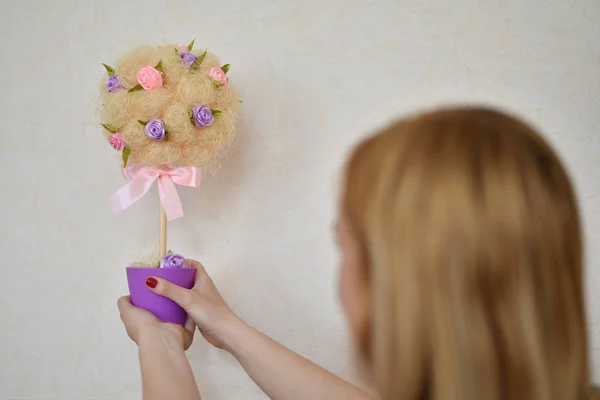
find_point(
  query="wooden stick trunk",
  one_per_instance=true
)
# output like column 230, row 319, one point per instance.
column 163, row 233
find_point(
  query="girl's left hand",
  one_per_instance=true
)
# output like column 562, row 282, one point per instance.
column 139, row 322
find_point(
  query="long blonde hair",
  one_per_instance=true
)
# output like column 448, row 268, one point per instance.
column 470, row 231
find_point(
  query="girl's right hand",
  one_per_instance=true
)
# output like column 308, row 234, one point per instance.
column 203, row 303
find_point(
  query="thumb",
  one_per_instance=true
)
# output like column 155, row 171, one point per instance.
column 182, row 296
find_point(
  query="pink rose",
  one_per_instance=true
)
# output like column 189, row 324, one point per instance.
column 218, row 75
column 149, row 78
column 116, row 141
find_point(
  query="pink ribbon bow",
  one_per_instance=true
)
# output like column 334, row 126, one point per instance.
column 141, row 178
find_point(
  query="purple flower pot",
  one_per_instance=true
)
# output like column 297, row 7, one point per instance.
column 165, row 309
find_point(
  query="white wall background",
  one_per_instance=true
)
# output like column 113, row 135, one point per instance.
column 316, row 75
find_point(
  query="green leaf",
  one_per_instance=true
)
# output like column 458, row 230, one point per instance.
column 216, row 113
column 109, row 69
column 217, row 83
column 199, row 61
column 177, row 53
column 159, row 67
column 170, row 252
column 125, row 155
column 225, row 68
column 110, row 128
column 136, row 88
column 191, row 45
column 202, row 57
column 191, row 115
column 142, row 122
column 239, row 101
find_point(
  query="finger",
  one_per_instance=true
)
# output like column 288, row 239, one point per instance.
column 188, row 338
column 179, row 295
column 190, row 326
column 124, row 303
column 199, row 268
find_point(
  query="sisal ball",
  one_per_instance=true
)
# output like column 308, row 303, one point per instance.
column 181, row 95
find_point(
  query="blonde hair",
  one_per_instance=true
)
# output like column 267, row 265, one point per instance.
column 183, row 89
column 470, row 230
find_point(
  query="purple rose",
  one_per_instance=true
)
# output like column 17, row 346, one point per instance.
column 155, row 130
column 172, row 261
column 113, row 84
column 203, row 116
column 189, row 58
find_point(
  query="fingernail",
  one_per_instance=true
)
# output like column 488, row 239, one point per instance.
column 151, row 282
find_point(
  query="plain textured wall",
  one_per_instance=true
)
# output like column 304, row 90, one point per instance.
column 315, row 77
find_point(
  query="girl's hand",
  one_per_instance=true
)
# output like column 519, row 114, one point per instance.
column 140, row 323
column 203, row 303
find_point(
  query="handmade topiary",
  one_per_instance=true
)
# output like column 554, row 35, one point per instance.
column 170, row 111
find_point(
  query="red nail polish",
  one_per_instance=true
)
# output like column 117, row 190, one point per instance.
column 151, row 282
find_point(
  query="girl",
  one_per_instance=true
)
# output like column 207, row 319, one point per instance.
column 461, row 276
